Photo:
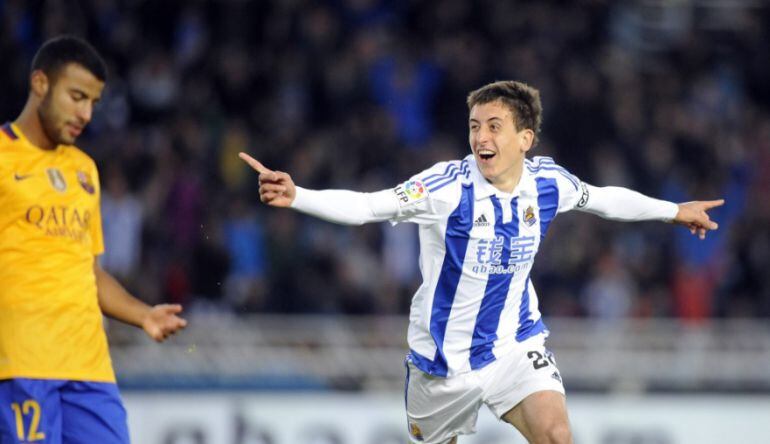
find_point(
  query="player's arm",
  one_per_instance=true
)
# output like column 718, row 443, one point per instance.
column 159, row 321
column 277, row 189
column 619, row 203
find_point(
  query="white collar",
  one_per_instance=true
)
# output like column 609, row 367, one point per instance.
column 483, row 189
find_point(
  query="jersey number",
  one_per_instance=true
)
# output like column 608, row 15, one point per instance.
column 23, row 410
column 538, row 360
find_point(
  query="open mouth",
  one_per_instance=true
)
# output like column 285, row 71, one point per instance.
column 486, row 154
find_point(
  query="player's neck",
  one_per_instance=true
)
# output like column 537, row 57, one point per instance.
column 30, row 126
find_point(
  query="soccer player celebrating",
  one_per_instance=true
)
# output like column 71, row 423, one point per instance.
column 56, row 379
column 475, row 333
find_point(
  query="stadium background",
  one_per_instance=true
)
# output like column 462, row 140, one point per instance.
column 290, row 314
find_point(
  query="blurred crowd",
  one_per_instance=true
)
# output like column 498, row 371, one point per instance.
column 669, row 98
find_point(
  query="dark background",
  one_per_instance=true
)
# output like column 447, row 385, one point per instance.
column 672, row 101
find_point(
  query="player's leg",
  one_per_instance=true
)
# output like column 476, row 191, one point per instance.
column 542, row 418
column 93, row 412
column 30, row 411
column 439, row 409
column 526, row 391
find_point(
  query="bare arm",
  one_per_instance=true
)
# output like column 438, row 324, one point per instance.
column 159, row 321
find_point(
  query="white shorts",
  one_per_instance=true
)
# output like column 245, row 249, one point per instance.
column 439, row 409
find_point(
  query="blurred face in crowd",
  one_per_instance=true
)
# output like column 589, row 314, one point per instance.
column 67, row 102
column 497, row 145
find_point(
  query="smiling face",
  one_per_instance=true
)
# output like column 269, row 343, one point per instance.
column 67, row 102
column 497, row 144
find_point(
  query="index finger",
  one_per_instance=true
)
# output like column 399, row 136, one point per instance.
column 173, row 308
column 709, row 204
column 254, row 163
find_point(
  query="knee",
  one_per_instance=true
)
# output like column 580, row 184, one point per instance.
column 558, row 433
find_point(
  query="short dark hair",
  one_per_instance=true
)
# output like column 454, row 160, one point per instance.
column 58, row 52
column 522, row 99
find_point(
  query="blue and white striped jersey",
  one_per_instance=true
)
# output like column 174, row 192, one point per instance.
column 477, row 247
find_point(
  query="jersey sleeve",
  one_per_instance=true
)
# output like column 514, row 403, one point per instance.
column 572, row 191
column 618, row 203
column 428, row 197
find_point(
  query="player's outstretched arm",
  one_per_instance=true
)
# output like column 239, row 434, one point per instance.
column 694, row 215
column 159, row 321
column 275, row 187
column 347, row 207
column 622, row 204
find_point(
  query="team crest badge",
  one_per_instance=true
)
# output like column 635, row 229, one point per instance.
column 86, row 182
column 529, row 216
column 57, row 179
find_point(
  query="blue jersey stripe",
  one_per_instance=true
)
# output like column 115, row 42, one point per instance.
column 450, row 170
column 447, row 172
column 527, row 327
column 525, row 323
column 433, row 178
column 437, row 184
column 558, row 169
column 458, row 230
column 547, row 163
column 547, row 201
column 445, row 183
column 496, row 292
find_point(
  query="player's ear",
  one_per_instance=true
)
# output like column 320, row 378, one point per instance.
column 39, row 83
column 526, row 139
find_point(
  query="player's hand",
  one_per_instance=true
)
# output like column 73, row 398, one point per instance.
column 694, row 216
column 162, row 321
column 275, row 187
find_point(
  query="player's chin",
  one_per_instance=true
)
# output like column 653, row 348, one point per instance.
column 488, row 171
column 65, row 139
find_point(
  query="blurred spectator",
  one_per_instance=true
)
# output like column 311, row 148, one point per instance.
column 245, row 244
column 610, row 293
column 362, row 94
column 122, row 216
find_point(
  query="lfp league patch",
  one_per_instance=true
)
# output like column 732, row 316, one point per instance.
column 411, row 192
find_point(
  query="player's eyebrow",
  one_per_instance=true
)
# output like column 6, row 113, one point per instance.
column 472, row 120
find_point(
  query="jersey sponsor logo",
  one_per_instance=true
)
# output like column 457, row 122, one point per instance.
column 489, row 254
column 60, row 221
column 481, row 221
column 19, row 177
column 529, row 216
column 57, row 179
column 584, row 197
column 410, row 192
column 85, row 181
column 499, row 269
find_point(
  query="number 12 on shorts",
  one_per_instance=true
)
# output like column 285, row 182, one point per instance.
column 32, row 407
